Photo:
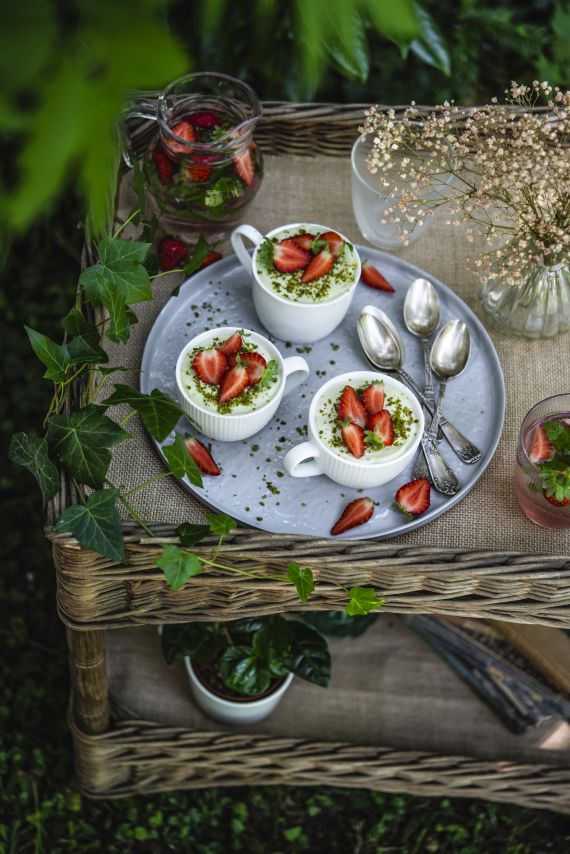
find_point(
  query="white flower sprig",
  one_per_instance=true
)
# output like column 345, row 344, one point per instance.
column 503, row 170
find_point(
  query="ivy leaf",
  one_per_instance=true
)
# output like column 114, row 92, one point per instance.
column 32, row 453
column 302, row 579
column 85, row 345
column 362, row 601
column 96, row 524
column 54, row 356
column 221, row 524
column 81, row 442
column 190, row 535
column 159, row 412
column 121, row 265
column 178, row 566
column 180, row 462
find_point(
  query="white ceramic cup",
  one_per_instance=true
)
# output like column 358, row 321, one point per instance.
column 300, row 323
column 230, row 427
column 315, row 457
column 234, row 712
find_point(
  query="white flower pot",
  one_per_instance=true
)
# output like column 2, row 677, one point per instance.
column 234, row 711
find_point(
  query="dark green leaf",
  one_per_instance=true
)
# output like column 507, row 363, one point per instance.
column 310, row 658
column 243, row 672
column 200, row 641
column 55, row 357
column 32, row 453
column 194, row 262
column 430, row 47
column 362, row 601
column 273, row 645
column 96, row 524
column 81, row 442
column 85, row 345
column 337, row 624
column 178, row 566
column 158, row 411
column 181, row 463
column 221, row 524
column 302, row 579
column 190, row 535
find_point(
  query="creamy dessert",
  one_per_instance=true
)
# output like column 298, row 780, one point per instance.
column 232, row 376
column 366, row 422
column 304, row 265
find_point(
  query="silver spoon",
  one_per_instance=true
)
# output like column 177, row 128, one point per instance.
column 421, row 316
column 384, row 348
column 449, row 357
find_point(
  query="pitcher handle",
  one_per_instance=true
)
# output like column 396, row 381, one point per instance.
column 139, row 107
column 301, row 461
column 238, row 245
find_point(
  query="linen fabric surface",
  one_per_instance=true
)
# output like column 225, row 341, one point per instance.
column 297, row 189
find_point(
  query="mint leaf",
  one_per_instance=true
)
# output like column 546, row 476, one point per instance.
column 159, row 412
column 54, row 356
column 373, row 440
column 220, row 524
column 362, row 601
column 302, row 579
column 178, row 566
column 85, row 345
column 190, row 535
column 32, row 453
column 270, row 374
column 180, row 462
column 96, row 524
column 81, row 442
column 559, row 434
column 265, row 254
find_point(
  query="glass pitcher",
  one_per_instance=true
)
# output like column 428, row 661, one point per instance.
column 203, row 168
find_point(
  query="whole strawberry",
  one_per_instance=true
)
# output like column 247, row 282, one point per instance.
column 172, row 253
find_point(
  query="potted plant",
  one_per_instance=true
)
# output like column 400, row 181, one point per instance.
column 240, row 670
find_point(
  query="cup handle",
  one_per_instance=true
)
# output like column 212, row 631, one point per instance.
column 301, row 460
column 238, row 246
column 296, row 371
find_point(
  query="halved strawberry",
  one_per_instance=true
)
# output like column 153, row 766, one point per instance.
column 234, row 382
column 163, row 165
column 305, row 241
column 243, row 164
column 373, row 398
column 231, row 345
column 353, row 437
column 356, row 513
column 210, row 365
column 199, row 169
column 254, row 363
column 334, row 241
column 381, row 424
column 413, row 498
column 350, row 406
column 541, row 448
column 288, row 257
column 187, row 132
column 553, row 500
column 211, row 258
column 204, row 119
column 319, row 266
column 201, row 456
column 374, row 278
column 172, row 253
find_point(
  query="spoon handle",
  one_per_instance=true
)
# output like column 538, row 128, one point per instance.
column 465, row 450
column 434, row 426
column 428, row 376
column 442, row 477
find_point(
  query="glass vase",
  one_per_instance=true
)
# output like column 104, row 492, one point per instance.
column 537, row 308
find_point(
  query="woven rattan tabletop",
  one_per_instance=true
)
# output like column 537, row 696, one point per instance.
column 317, row 189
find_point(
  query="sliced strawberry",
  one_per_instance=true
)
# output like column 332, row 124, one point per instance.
column 210, row 365
column 334, row 241
column 350, row 407
column 186, row 131
column 319, row 266
column 231, row 345
column 199, row 169
column 204, row 119
column 288, row 257
column 211, row 258
column 353, row 437
column 243, row 164
column 305, row 241
column 234, row 382
column 553, row 500
column 381, row 424
column 356, row 513
column 172, row 253
column 201, row 456
column 374, row 278
column 254, row 363
column 163, row 165
column 373, row 398
column 413, row 498
column 541, row 448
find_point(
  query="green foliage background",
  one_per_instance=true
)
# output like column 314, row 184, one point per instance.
column 59, row 96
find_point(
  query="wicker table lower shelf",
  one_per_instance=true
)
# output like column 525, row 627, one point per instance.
column 396, row 718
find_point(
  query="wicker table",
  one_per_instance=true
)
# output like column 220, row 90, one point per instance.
column 482, row 559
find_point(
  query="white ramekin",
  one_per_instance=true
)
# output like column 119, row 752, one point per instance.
column 233, row 427
column 300, row 323
column 315, row 457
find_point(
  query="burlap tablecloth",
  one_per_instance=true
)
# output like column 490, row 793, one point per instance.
column 318, row 190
